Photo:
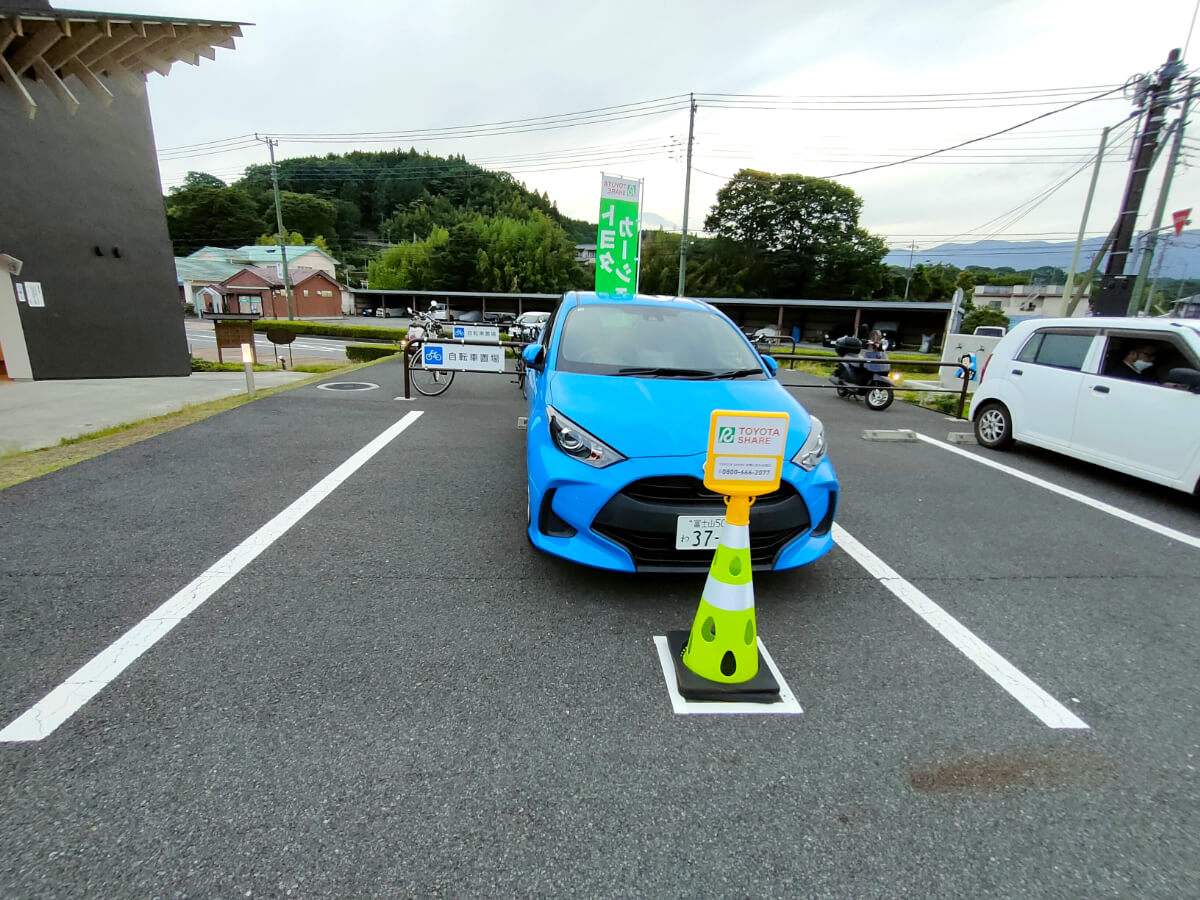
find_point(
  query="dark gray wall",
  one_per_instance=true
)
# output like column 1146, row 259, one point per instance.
column 69, row 184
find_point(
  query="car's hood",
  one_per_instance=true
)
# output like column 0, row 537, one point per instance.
column 666, row 416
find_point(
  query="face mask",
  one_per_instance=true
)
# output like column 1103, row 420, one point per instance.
column 1140, row 365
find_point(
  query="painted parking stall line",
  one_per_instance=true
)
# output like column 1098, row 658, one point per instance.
column 1132, row 518
column 65, row 700
column 1000, row 670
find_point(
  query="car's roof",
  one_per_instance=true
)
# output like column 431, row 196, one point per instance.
column 1138, row 323
column 591, row 298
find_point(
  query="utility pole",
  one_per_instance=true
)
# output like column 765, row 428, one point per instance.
column 912, row 248
column 1115, row 288
column 287, row 278
column 687, row 194
column 1161, row 207
column 1068, row 289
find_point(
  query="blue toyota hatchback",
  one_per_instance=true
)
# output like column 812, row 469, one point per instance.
column 620, row 393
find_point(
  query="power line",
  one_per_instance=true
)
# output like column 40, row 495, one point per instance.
column 978, row 139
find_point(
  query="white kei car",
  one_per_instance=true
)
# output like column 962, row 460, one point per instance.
column 1123, row 393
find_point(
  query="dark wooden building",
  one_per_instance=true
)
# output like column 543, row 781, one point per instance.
column 91, row 290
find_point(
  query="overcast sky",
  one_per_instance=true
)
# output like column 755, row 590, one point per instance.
column 375, row 66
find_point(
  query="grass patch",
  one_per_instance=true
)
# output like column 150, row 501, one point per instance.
column 29, row 464
column 947, row 404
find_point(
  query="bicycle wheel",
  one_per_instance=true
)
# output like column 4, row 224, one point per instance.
column 429, row 382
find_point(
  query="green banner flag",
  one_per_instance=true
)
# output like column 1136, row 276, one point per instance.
column 618, row 236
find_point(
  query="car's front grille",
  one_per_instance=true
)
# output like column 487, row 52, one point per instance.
column 685, row 489
column 642, row 518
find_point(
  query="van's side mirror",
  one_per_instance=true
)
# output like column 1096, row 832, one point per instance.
column 534, row 356
column 770, row 364
column 1184, row 378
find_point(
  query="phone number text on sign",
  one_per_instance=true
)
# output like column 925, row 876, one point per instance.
column 735, row 468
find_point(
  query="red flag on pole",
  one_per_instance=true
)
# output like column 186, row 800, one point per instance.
column 1181, row 219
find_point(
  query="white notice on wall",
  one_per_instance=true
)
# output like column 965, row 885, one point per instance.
column 33, row 290
column 20, row 292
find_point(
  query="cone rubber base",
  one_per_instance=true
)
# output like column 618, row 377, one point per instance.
column 762, row 688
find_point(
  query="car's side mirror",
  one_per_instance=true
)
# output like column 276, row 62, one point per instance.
column 1184, row 378
column 771, row 365
column 534, row 356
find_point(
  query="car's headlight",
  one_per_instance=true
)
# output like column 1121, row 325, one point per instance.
column 578, row 443
column 810, row 454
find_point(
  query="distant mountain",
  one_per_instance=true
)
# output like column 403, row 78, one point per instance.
column 1182, row 254
column 650, row 221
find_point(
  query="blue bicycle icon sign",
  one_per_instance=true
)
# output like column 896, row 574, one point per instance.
column 460, row 332
column 433, row 356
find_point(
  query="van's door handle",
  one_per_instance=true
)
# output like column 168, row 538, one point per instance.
column 1099, row 389
column 1017, row 372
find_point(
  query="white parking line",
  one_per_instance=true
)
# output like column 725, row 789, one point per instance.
column 1116, row 511
column 995, row 666
column 66, row 699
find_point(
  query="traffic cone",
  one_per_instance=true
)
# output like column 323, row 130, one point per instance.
column 722, row 645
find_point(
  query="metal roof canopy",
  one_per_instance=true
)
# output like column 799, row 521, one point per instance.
column 39, row 41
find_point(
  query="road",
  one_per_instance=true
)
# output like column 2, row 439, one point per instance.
column 387, row 692
column 202, row 341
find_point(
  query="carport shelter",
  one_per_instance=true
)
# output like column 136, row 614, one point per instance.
column 97, row 294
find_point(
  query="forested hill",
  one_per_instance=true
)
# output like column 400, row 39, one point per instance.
column 355, row 197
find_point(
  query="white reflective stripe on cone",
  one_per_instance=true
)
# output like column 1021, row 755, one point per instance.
column 729, row 597
column 735, row 537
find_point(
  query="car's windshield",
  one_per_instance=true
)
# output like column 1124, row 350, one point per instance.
column 654, row 342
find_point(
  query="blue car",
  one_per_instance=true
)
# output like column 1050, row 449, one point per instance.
column 620, row 393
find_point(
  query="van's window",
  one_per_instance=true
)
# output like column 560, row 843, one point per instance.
column 1153, row 355
column 1029, row 351
column 1063, row 351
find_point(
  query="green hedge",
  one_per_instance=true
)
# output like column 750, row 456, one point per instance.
column 207, row 365
column 365, row 352
column 331, row 330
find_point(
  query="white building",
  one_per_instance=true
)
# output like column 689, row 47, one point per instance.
column 1026, row 301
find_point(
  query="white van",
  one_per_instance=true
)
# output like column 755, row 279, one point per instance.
column 1121, row 393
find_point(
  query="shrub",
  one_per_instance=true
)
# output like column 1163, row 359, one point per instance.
column 365, row 352
column 207, row 365
column 331, row 330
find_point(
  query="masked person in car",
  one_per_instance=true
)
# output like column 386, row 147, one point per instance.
column 1137, row 364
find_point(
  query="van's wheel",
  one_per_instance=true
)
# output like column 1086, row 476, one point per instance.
column 879, row 399
column 993, row 426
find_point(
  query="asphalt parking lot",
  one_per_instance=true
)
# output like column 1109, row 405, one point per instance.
column 377, row 688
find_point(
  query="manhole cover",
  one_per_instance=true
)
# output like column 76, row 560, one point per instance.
column 348, row 386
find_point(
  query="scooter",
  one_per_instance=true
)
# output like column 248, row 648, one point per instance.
column 859, row 378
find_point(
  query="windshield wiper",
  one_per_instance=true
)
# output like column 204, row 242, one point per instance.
column 736, row 373
column 665, row 371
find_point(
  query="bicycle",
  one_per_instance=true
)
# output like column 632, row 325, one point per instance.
column 429, row 382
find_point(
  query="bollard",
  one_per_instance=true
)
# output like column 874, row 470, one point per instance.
column 405, row 358
column 248, row 365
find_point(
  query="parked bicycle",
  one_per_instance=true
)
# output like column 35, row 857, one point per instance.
column 422, row 328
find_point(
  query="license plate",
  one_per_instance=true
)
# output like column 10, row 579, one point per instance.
column 698, row 532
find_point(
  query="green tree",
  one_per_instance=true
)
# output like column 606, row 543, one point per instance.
column 799, row 236
column 203, row 211
column 307, row 214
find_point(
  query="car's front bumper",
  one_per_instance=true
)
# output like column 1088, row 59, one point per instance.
column 624, row 517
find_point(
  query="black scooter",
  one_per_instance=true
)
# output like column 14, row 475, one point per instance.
column 858, row 377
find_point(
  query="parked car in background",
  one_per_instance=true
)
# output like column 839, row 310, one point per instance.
column 621, row 393
column 1123, row 393
column 527, row 326
column 990, row 330
column 499, row 318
